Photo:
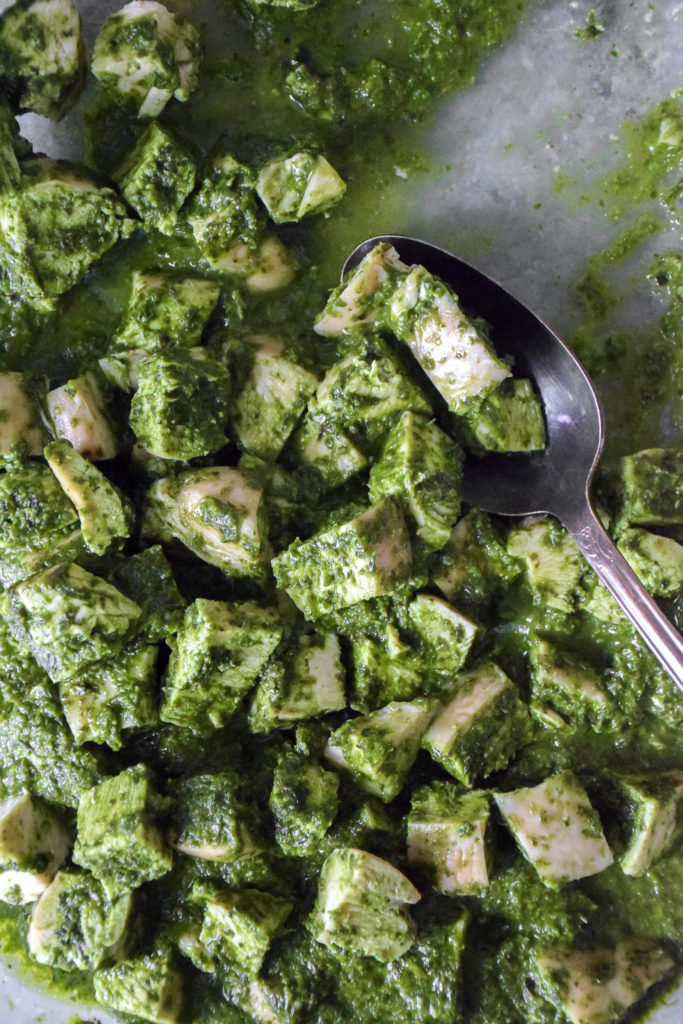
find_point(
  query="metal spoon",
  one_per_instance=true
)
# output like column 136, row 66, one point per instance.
column 557, row 480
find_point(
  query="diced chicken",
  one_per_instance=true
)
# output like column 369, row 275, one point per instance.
column 33, row 845
column 78, row 414
column 18, row 416
column 352, row 304
column 596, row 986
column 557, row 829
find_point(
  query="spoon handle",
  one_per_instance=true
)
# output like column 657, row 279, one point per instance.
column 665, row 642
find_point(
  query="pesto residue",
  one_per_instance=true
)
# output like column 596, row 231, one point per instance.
column 635, row 358
column 594, row 28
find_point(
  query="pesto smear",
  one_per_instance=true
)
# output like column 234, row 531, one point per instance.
column 288, row 733
column 642, row 197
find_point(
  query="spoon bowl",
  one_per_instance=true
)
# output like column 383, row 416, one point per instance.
column 557, row 480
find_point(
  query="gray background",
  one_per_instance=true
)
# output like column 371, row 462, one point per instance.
column 560, row 102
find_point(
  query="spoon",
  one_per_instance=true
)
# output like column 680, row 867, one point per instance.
column 555, row 481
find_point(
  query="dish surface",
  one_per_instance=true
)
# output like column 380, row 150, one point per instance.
column 481, row 191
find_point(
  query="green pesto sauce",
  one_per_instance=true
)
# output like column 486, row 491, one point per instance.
column 380, row 69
